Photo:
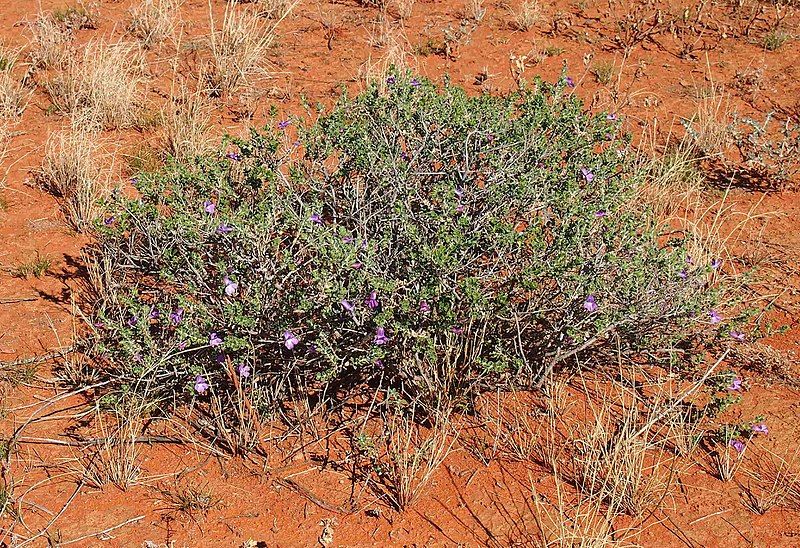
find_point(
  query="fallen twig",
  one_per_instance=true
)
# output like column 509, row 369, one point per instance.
column 38, row 359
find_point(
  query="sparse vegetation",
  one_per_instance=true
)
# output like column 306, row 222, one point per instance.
column 82, row 16
column 364, row 289
column 36, row 267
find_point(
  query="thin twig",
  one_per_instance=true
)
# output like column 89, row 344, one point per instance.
column 38, row 359
column 103, row 532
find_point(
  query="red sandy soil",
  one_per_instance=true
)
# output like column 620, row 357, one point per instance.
column 320, row 46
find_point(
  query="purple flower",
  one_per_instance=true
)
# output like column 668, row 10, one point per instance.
column 283, row 124
column 761, row 428
column 176, row 316
column 716, row 263
column 134, row 180
column 289, row 340
column 683, row 275
column 714, row 316
column 569, row 81
column 214, row 340
column 391, row 80
column 235, row 156
column 244, row 370
column 224, row 229
column 348, row 240
column 379, row 364
column 182, row 345
column 316, row 218
column 689, row 259
column 109, row 221
column 611, row 117
column 587, row 174
column 347, row 305
column 201, row 384
column 738, row 335
column 404, row 156
column 424, row 307
column 380, row 336
column 738, row 445
column 372, row 300
column 601, row 213
column 414, row 82
column 736, row 385
column 457, row 330
column 356, row 265
column 590, row 304
column 133, row 320
column 154, row 314
column 209, row 207
column 231, row 287
column 460, row 208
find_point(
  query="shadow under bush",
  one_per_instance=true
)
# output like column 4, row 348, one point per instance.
column 420, row 240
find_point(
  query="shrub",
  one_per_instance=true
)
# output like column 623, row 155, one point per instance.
column 773, row 156
column 422, row 239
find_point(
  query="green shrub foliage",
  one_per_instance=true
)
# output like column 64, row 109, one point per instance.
column 419, row 239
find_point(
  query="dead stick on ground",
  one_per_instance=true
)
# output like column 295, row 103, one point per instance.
column 103, row 532
column 294, row 486
column 37, row 359
column 18, row 300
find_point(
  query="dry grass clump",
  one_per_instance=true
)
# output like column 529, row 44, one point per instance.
column 114, row 459
column 14, row 95
column 102, row 87
column 50, row 42
column 5, row 141
column 396, row 55
column 238, row 50
column 777, row 365
column 185, row 126
column 414, row 453
column 527, row 15
column 577, row 521
column 772, row 481
column 617, row 459
column 153, row 21
column 275, row 9
column 710, row 127
column 73, row 170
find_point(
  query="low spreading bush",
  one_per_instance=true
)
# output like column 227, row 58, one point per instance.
column 417, row 239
